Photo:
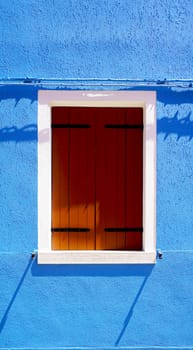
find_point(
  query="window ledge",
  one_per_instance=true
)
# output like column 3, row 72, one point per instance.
column 96, row 257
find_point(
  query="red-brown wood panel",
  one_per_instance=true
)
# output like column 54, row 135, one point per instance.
column 134, row 178
column 110, row 169
column 97, row 176
column 81, row 168
column 60, row 181
column 73, row 205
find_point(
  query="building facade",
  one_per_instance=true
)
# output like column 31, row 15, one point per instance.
column 96, row 49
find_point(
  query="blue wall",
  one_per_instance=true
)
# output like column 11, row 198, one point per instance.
column 97, row 38
column 96, row 306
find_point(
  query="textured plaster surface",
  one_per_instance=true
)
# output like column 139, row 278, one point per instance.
column 96, row 38
column 96, row 306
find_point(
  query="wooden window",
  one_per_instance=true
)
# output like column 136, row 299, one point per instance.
column 97, row 178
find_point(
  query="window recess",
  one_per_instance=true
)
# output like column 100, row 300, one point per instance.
column 97, row 178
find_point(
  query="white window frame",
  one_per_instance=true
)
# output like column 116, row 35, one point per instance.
column 144, row 99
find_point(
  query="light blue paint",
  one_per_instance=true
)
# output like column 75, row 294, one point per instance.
column 90, row 38
column 96, row 306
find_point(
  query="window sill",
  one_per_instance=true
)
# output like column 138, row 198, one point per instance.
column 96, row 257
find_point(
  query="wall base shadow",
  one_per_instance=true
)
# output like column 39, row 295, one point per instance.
column 93, row 270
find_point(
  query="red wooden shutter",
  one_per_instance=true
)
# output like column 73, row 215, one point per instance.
column 134, row 178
column 110, row 187
column 119, row 167
column 73, row 203
column 60, row 179
column 97, row 176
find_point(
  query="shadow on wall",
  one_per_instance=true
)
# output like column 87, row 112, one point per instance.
column 130, row 313
column 165, row 94
column 84, row 271
column 27, row 133
column 91, row 270
column 166, row 125
column 4, row 317
column 100, row 271
column 18, row 92
column 174, row 126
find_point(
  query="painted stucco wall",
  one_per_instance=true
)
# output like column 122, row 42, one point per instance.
column 96, row 306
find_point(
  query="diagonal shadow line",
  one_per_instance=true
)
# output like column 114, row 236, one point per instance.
column 127, row 319
column 4, row 318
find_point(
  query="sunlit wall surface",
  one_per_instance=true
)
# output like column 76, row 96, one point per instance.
column 134, row 306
